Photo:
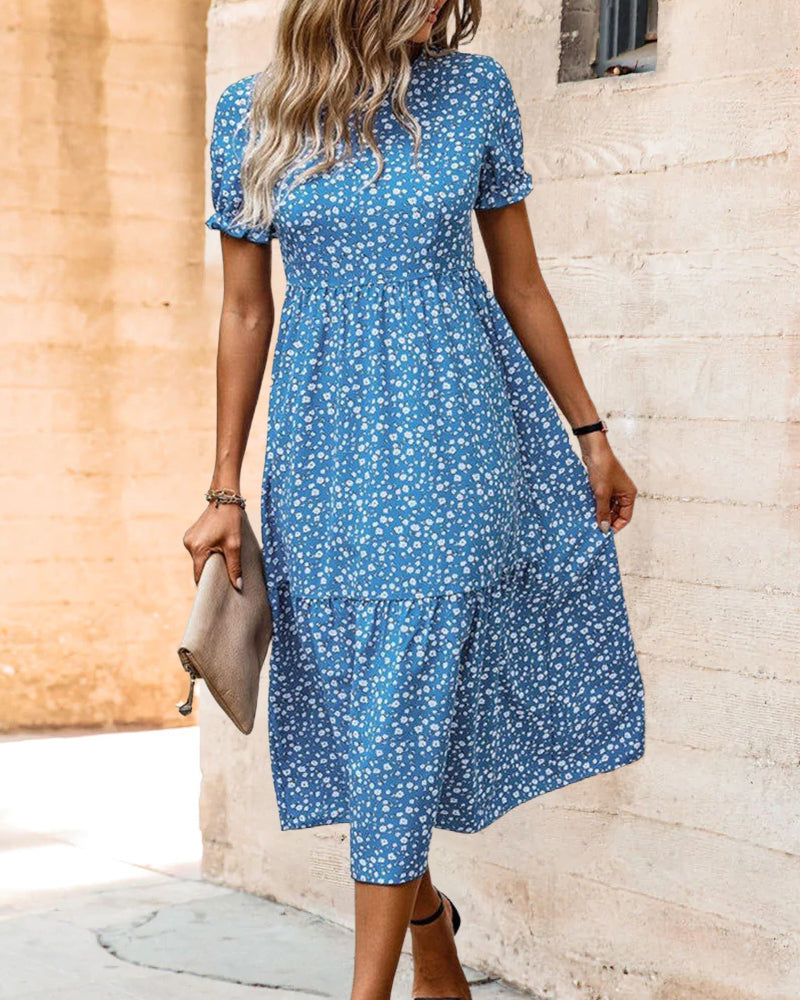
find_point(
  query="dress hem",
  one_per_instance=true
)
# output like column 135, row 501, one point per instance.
column 552, row 784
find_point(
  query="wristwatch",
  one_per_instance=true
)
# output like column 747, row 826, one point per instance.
column 588, row 428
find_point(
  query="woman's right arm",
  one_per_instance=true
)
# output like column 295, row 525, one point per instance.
column 245, row 331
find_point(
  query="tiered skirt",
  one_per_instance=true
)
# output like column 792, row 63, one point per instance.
column 408, row 696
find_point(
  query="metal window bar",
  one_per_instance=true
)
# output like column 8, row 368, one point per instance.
column 623, row 25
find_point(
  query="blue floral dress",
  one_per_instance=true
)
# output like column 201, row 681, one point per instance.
column 451, row 637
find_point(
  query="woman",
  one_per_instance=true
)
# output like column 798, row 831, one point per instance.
column 450, row 637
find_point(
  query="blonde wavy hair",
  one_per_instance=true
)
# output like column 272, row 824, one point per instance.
column 334, row 63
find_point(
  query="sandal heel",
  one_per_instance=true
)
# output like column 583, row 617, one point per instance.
column 456, row 918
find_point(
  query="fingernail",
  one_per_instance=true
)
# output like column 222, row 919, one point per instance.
column 605, row 527
column 238, row 583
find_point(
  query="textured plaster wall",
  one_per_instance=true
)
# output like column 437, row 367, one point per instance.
column 107, row 355
column 665, row 213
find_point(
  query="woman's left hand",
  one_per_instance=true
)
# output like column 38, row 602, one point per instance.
column 613, row 488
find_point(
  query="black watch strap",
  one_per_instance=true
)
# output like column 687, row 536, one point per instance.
column 588, row 428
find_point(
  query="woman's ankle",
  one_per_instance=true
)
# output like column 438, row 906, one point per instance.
column 427, row 899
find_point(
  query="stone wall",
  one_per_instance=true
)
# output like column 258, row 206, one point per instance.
column 108, row 353
column 665, row 213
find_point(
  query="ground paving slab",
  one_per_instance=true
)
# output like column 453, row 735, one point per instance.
column 97, row 904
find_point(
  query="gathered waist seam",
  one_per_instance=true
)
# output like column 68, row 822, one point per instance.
column 360, row 280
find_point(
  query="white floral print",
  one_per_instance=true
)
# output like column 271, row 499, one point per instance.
column 451, row 637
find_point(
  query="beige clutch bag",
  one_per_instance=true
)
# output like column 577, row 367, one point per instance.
column 228, row 633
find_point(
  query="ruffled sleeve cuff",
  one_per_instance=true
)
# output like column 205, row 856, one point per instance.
column 228, row 141
column 503, row 178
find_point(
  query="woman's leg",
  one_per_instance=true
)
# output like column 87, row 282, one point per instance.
column 382, row 919
column 437, row 970
column 382, row 916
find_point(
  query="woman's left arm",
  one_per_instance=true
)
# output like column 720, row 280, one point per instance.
column 526, row 301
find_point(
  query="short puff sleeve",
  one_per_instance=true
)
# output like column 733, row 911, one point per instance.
column 503, row 178
column 229, row 137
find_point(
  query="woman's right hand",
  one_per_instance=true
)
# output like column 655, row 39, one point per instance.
column 218, row 529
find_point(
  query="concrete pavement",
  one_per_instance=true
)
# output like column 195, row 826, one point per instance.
column 101, row 896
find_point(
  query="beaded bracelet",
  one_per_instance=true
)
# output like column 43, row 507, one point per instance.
column 225, row 495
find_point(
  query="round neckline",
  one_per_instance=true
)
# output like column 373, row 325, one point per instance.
column 422, row 56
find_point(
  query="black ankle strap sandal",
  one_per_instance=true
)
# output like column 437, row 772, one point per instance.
column 430, row 920
column 440, row 911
